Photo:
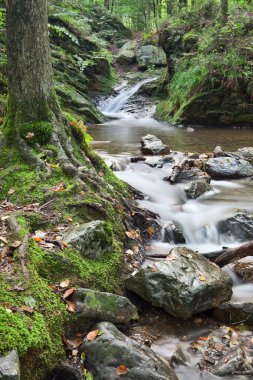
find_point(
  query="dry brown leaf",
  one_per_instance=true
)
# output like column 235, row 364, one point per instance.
column 154, row 268
column 3, row 239
column 68, row 292
column 71, row 306
column 122, row 370
column 150, row 230
column 202, row 278
column 132, row 234
column 16, row 243
column 93, row 334
column 37, row 239
column 28, row 309
column 64, row 284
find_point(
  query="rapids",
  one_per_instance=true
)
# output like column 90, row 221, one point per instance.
column 119, row 139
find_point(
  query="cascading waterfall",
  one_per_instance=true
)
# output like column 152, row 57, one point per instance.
column 116, row 104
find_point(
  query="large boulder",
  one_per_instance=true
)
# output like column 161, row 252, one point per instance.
column 112, row 349
column 191, row 175
column 150, row 55
column 234, row 312
column 150, row 144
column 127, row 55
column 228, row 167
column 100, row 306
column 239, row 226
column 9, row 366
column 185, row 283
column 246, row 153
column 92, row 239
column 195, row 189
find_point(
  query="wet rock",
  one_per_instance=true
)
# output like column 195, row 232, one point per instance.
column 150, row 144
column 100, row 306
column 127, row 54
column 197, row 188
column 112, row 349
column 150, row 55
column 218, row 152
column 244, row 269
column 230, row 364
column 185, row 283
column 193, row 174
column 246, row 153
column 160, row 162
column 240, row 226
column 65, row 372
column 9, row 366
column 92, row 239
column 234, row 312
column 181, row 356
column 173, row 234
column 228, row 167
column 137, row 159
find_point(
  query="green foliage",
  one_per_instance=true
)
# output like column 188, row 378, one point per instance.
column 36, row 132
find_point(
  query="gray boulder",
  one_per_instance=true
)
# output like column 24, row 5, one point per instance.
column 234, row 312
column 173, row 234
column 197, row 188
column 240, row 226
column 127, row 55
column 227, row 366
column 100, row 306
column 246, row 153
column 190, row 175
column 228, row 167
column 9, row 366
column 92, row 239
column 150, row 55
column 150, row 144
column 185, row 283
column 112, row 349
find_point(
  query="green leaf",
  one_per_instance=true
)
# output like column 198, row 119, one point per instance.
column 89, row 376
column 83, row 356
column 30, row 301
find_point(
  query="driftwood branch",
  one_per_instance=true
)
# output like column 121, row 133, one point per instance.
column 21, row 255
column 228, row 255
column 221, row 258
column 176, row 170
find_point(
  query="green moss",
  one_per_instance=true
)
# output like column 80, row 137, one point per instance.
column 39, row 132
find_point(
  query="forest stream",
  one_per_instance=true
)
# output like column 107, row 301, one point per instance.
column 117, row 140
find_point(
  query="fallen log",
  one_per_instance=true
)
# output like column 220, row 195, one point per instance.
column 221, row 258
column 228, row 255
column 176, row 170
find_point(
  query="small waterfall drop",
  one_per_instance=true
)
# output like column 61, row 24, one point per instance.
column 116, row 104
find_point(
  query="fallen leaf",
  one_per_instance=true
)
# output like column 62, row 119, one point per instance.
column 28, row 309
column 16, row 243
column 93, row 334
column 89, row 376
column 3, row 239
column 65, row 244
column 202, row 278
column 153, row 268
column 101, row 174
column 121, row 370
column 58, row 188
column 11, row 191
column 71, row 306
column 74, row 343
column 132, row 234
column 37, row 239
column 64, row 284
column 204, row 338
column 74, row 352
column 150, row 230
column 68, row 292
column 83, row 357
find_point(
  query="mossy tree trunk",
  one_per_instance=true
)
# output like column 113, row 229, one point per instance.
column 224, row 10
column 34, row 117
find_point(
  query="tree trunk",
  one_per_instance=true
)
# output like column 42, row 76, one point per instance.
column 34, row 117
column 29, row 62
column 224, row 10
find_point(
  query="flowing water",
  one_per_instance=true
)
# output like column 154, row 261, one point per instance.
column 118, row 139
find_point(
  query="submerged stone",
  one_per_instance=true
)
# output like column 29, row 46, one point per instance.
column 92, row 239
column 101, row 306
column 173, row 234
column 9, row 366
column 240, row 226
column 234, row 312
column 112, row 349
column 185, row 283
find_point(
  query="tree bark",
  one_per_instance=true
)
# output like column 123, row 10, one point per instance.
column 224, row 10
column 29, row 62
